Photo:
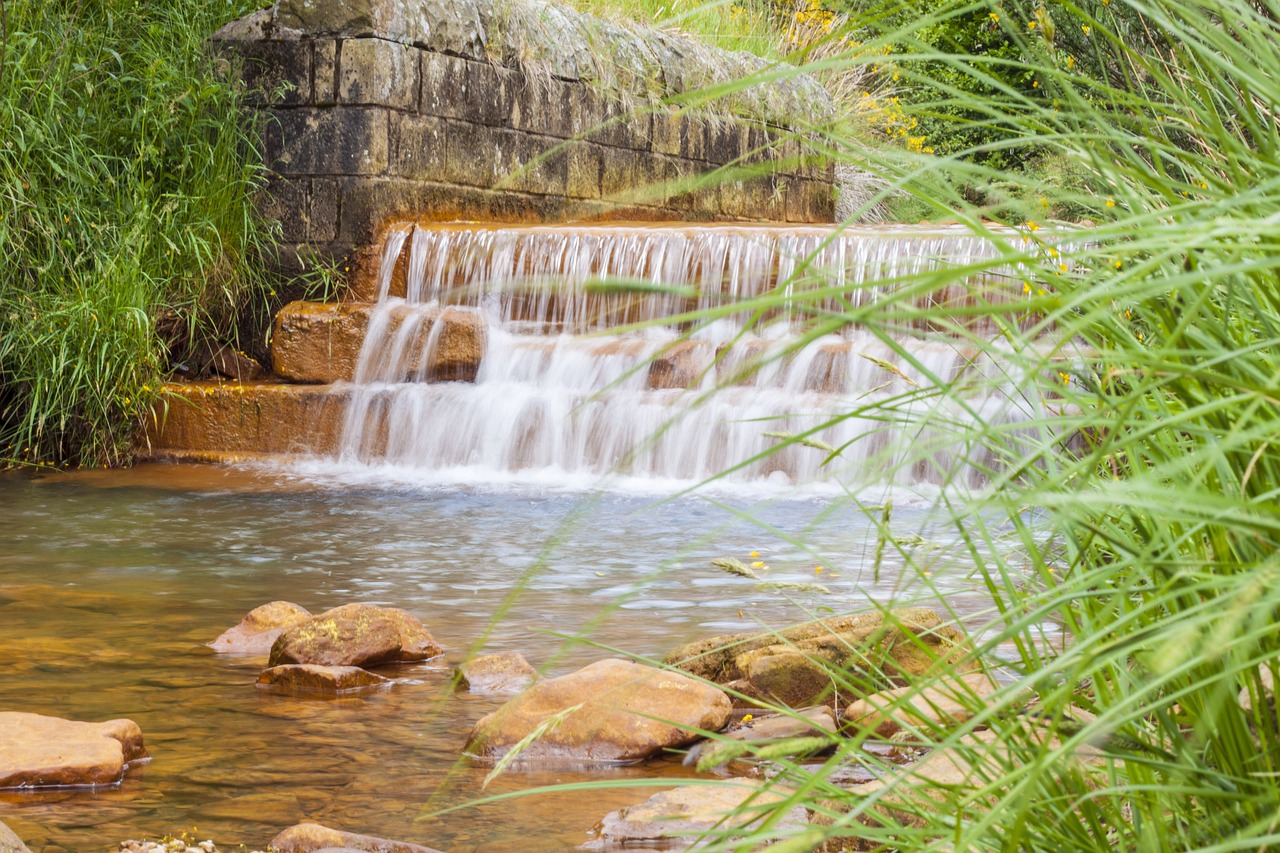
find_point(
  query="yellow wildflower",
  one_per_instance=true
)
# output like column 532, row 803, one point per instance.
column 1111, row 202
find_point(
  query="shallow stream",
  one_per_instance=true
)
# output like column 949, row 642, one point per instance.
column 111, row 583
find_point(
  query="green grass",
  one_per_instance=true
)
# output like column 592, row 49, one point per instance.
column 126, row 173
column 752, row 26
column 1128, row 543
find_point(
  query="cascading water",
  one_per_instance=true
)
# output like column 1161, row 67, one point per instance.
column 703, row 380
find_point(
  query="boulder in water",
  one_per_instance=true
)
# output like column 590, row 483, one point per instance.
column 355, row 635
column 790, row 667
column 811, row 722
column 312, row 837
column 259, row 629
column 309, row 678
column 36, row 750
column 501, row 673
column 10, row 842
column 946, row 702
column 611, row 711
column 687, row 812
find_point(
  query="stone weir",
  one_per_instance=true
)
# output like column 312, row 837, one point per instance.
column 513, row 111
column 570, row 353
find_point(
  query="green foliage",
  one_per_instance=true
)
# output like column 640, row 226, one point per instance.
column 1128, row 539
column 125, row 179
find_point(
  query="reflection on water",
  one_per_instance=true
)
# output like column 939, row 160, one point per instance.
column 111, row 583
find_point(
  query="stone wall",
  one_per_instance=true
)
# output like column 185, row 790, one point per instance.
column 384, row 110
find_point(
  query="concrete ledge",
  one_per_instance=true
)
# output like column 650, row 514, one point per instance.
column 234, row 418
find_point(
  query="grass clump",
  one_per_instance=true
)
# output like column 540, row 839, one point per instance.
column 1127, row 535
column 126, row 171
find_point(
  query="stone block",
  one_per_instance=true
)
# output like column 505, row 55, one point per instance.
column 456, row 27
column 318, row 343
column 377, row 72
column 733, row 199
column 535, row 164
column 693, row 138
column 474, row 155
column 446, row 86
column 726, row 142
column 330, row 141
column 668, row 128
column 622, row 127
column 583, row 163
column 323, row 226
column 324, row 61
column 620, row 176
column 369, row 204
column 543, row 105
column 478, row 92
column 417, row 146
column 284, row 200
column 273, row 73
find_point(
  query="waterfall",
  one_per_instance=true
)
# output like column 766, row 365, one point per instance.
column 647, row 353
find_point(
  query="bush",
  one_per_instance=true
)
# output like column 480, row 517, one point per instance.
column 125, row 180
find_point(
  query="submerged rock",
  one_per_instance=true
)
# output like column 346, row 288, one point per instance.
column 10, row 842
column 946, row 702
column 811, row 722
column 312, row 837
column 624, row 712
column 790, row 667
column 259, row 629
column 687, row 812
column 36, row 750
column 301, row 677
column 501, row 673
column 355, row 635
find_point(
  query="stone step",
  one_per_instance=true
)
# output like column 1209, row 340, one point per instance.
column 319, row 342
column 217, row 420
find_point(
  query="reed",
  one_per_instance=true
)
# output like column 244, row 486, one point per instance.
column 1127, row 539
column 127, row 172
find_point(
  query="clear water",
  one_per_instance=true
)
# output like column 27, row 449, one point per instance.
column 111, row 583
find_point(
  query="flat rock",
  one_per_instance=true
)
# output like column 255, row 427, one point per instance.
column 259, row 629
column 10, row 842
column 789, row 667
column 625, row 712
column 773, row 727
column 686, row 812
column 312, row 837
column 36, row 750
column 945, row 703
column 355, row 635
column 501, row 673
column 302, row 677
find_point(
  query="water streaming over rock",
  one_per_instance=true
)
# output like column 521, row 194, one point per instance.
column 561, row 392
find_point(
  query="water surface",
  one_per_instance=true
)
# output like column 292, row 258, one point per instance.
column 111, row 584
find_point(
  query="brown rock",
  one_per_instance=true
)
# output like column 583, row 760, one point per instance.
column 355, row 635
column 459, row 346
column 945, row 774
column 689, row 811
column 505, row 672
column 771, row 727
column 946, row 702
column 908, row 644
column 233, row 364
column 10, row 842
column 624, row 712
column 260, row 628
column 37, row 750
column 301, row 677
column 680, row 366
column 312, row 837
column 318, row 342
